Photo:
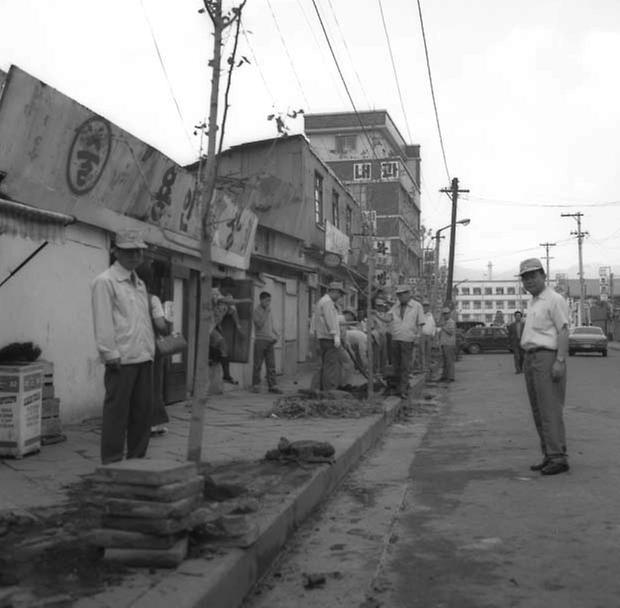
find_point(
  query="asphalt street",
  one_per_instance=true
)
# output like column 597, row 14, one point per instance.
column 471, row 526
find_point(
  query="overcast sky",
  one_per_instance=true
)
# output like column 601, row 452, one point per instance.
column 527, row 93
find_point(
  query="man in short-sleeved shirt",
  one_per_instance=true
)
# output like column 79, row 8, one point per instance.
column 545, row 342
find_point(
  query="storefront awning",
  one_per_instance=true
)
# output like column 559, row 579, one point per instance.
column 30, row 222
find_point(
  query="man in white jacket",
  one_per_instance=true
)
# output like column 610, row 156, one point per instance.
column 327, row 329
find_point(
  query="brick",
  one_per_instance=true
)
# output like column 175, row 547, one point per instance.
column 50, row 407
column 51, row 426
column 123, row 539
column 158, row 558
column 166, row 493
column 47, row 391
column 142, row 471
column 158, row 527
column 147, row 509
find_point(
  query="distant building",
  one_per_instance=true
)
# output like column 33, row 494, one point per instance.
column 383, row 173
column 482, row 300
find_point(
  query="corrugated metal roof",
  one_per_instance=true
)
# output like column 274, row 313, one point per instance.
column 30, row 222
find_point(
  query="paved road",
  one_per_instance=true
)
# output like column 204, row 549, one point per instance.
column 471, row 526
column 480, row 530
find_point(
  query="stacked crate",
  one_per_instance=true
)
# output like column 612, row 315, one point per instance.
column 51, row 429
column 147, row 506
column 20, row 409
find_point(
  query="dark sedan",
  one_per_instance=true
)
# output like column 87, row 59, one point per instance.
column 478, row 339
column 587, row 339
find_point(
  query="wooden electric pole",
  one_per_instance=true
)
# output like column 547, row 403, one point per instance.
column 582, row 285
column 454, row 192
column 547, row 258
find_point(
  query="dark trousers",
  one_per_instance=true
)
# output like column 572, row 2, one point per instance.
column 518, row 353
column 448, row 355
column 159, row 415
column 127, row 411
column 402, row 356
column 264, row 351
column 547, row 403
column 330, row 365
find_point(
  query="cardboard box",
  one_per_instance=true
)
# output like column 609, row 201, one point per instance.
column 20, row 409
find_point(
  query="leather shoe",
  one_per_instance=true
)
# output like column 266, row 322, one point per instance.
column 540, row 466
column 553, row 468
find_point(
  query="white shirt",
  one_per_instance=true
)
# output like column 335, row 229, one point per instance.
column 547, row 313
column 122, row 318
column 429, row 328
column 406, row 328
column 326, row 323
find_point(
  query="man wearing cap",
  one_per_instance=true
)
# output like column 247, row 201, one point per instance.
column 545, row 342
column 429, row 329
column 126, row 343
column 327, row 329
column 407, row 317
column 447, row 342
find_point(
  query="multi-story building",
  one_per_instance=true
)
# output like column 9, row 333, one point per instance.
column 481, row 301
column 382, row 171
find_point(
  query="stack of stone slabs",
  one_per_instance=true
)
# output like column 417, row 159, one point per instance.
column 147, row 504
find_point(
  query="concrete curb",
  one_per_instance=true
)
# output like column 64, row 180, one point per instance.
column 194, row 584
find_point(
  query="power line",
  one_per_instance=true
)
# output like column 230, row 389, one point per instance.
column 400, row 94
column 346, row 46
column 430, row 79
column 163, row 67
column 506, row 203
column 275, row 20
column 260, row 71
column 346, row 87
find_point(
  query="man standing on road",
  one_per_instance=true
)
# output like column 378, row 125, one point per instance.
column 515, row 330
column 545, row 342
column 406, row 318
column 429, row 330
column 126, row 343
column 447, row 343
column 265, row 336
column 327, row 329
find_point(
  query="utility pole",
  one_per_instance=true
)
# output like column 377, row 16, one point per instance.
column 437, row 238
column 204, row 194
column 371, row 280
column 454, row 192
column 547, row 246
column 582, row 285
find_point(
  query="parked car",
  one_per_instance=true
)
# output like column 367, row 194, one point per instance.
column 478, row 339
column 587, row 339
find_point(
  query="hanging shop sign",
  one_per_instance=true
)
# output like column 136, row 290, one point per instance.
column 60, row 156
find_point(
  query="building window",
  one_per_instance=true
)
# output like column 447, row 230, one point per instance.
column 477, row 291
column 477, row 304
column 488, row 304
column 361, row 172
column 455, row 291
column 499, row 304
column 499, row 291
column 465, row 305
column 346, row 143
column 318, row 198
column 466, row 317
column 488, row 291
column 510, row 291
column 464, row 291
column 488, row 318
column 512, row 304
column 335, row 209
column 348, row 220
column 389, row 170
column 523, row 292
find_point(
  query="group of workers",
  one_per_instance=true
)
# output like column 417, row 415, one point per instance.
column 403, row 333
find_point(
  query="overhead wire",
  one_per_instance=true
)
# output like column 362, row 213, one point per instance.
column 346, row 46
column 550, row 205
column 167, row 77
column 346, row 87
column 430, row 79
column 288, row 54
column 400, row 94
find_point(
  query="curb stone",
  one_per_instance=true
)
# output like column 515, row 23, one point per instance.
column 225, row 583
